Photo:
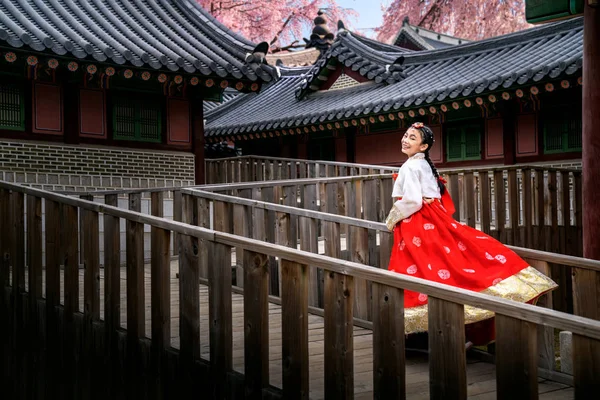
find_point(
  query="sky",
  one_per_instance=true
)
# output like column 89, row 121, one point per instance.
column 370, row 15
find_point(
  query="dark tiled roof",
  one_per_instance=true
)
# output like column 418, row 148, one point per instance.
column 171, row 34
column 425, row 39
column 228, row 94
column 545, row 52
column 375, row 61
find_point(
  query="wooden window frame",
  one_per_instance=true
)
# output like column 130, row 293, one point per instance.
column 564, row 135
column 21, row 95
column 448, row 136
column 136, row 98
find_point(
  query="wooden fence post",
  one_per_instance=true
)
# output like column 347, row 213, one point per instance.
column 88, row 363
column 389, row 361
column 136, row 320
column 160, row 288
column 499, row 196
column 294, row 329
column 70, row 261
column 527, row 208
column 112, row 294
column 17, row 232
column 53, row 266
column 447, row 358
column 220, row 317
column 359, row 252
column 514, row 204
column 486, row 206
column 339, row 333
column 256, row 323
column 469, row 192
column 516, row 358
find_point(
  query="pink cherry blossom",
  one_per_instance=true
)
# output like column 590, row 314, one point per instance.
column 276, row 22
column 472, row 20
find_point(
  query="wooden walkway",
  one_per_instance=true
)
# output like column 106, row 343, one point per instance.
column 481, row 376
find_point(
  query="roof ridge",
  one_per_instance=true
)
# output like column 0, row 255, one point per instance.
column 531, row 34
column 218, row 110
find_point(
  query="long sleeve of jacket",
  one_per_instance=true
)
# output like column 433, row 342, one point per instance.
column 412, row 195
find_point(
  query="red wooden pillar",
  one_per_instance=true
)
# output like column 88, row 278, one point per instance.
column 71, row 112
column 509, row 129
column 585, row 288
column 198, row 141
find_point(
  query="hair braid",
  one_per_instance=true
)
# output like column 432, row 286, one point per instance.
column 435, row 172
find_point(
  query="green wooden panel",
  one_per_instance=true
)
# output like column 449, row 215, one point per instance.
column 463, row 142
column 562, row 130
column 124, row 119
column 137, row 119
column 454, row 141
column 12, row 106
column 537, row 11
column 472, row 135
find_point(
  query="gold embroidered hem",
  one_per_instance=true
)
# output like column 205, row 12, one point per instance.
column 524, row 286
column 393, row 218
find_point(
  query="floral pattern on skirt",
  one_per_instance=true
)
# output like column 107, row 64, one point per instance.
column 431, row 245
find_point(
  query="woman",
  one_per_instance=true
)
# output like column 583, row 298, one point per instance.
column 430, row 244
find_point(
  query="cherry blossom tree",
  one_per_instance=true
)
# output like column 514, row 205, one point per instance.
column 467, row 19
column 279, row 23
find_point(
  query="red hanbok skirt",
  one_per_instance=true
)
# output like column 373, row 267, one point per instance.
column 431, row 245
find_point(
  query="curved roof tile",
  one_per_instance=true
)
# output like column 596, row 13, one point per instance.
column 546, row 51
column 171, row 34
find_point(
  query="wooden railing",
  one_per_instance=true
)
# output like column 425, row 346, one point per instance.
column 254, row 168
column 541, row 208
column 71, row 350
column 549, row 195
column 363, row 241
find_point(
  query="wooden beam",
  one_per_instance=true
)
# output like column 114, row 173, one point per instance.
column 256, row 323
column 198, row 142
column 586, row 288
column 516, row 358
column 389, row 360
column 339, row 343
column 294, row 325
column 447, row 358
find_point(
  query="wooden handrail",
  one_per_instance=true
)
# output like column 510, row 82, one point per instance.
column 392, row 168
column 521, row 251
column 525, row 312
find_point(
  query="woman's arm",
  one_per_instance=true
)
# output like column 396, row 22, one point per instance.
column 411, row 201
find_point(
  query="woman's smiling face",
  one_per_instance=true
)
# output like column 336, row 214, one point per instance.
column 412, row 142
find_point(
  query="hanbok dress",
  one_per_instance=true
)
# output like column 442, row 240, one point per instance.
column 430, row 244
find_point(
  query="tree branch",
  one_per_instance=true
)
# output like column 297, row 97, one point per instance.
column 433, row 7
column 285, row 23
column 292, row 45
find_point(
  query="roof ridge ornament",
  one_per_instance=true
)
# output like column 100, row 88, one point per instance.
column 321, row 37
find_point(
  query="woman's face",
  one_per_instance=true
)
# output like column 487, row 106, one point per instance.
column 412, row 142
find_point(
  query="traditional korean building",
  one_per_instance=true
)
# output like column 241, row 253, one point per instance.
column 414, row 37
column 97, row 94
column 511, row 99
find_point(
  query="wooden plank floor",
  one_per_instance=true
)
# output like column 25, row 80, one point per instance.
column 481, row 376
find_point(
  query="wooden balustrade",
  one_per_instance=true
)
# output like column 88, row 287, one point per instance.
column 254, row 168
column 52, row 345
column 365, row 251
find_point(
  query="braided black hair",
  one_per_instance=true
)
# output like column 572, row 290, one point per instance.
column 427, row 138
